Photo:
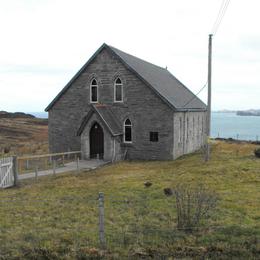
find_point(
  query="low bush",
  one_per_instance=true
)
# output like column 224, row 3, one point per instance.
column 7, row 149
column 193, row 204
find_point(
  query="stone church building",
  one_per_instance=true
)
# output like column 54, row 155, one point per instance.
column 121, row 107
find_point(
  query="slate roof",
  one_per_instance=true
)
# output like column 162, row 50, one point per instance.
column 169, row 88
column 106, row 115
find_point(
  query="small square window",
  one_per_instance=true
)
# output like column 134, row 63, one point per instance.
column 154, row 136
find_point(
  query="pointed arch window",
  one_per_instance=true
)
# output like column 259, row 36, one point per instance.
column 94, row 91
column 118, row 90
column 128, row 131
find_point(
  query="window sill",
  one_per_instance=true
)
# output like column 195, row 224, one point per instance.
column 126, row 144
column 121, row 104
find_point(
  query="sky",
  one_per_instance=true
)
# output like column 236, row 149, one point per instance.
column 44, row 43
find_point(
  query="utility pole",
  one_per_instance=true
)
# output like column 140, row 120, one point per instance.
column 207, row 154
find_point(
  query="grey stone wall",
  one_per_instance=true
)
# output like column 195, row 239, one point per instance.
column 141, row 105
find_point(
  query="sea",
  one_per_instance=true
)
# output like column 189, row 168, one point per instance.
column 223, row 125
column 229, row 125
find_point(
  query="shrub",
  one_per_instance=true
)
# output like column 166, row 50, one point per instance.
column 257, row 152
column 148, row 184
column 168, row 191
column 7, row 150
column 193, row 205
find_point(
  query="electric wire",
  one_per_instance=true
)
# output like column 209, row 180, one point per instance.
column 220, row 16
column 195, row 96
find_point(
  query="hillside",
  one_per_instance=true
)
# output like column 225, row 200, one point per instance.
column 22, row 133
column 57, row 217
column 5, row 114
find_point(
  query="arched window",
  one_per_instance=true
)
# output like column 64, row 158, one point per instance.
column 94, row 91
column 118, row 90
column 127, row 131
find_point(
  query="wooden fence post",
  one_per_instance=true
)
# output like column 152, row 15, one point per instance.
column 36, row 172
column 27, row 164
column 46, row 163
column 101, row 220
column 78, row 164
column 15, row 170
column 54, row 167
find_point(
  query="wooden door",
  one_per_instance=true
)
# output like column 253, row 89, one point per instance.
column 96, row 139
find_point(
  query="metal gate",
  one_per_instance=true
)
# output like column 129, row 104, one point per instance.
column 6, row 172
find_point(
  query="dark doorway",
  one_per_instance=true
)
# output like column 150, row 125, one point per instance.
column 96, row 140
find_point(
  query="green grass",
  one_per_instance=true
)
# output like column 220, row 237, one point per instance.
column 57, row 217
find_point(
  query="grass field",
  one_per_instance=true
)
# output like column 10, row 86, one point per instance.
column 57, row 217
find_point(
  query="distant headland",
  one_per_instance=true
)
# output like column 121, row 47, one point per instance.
column 250, row 112
column 4, row 114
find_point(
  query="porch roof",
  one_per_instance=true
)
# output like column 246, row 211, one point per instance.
column 107, row 117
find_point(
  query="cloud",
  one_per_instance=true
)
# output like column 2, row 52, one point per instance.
column 43, row 43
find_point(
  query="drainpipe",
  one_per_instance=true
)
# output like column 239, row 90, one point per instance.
column 184, row 134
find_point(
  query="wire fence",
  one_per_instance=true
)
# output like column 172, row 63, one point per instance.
column 36, row 163
column 97, row 221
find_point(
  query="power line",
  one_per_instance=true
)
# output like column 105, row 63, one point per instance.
column 221, row 14
column 195, row 96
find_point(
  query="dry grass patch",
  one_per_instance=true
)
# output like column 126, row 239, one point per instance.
column 24, row 135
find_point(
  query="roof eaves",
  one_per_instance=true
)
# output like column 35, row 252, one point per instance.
column 75, row 77
column 191, row 109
